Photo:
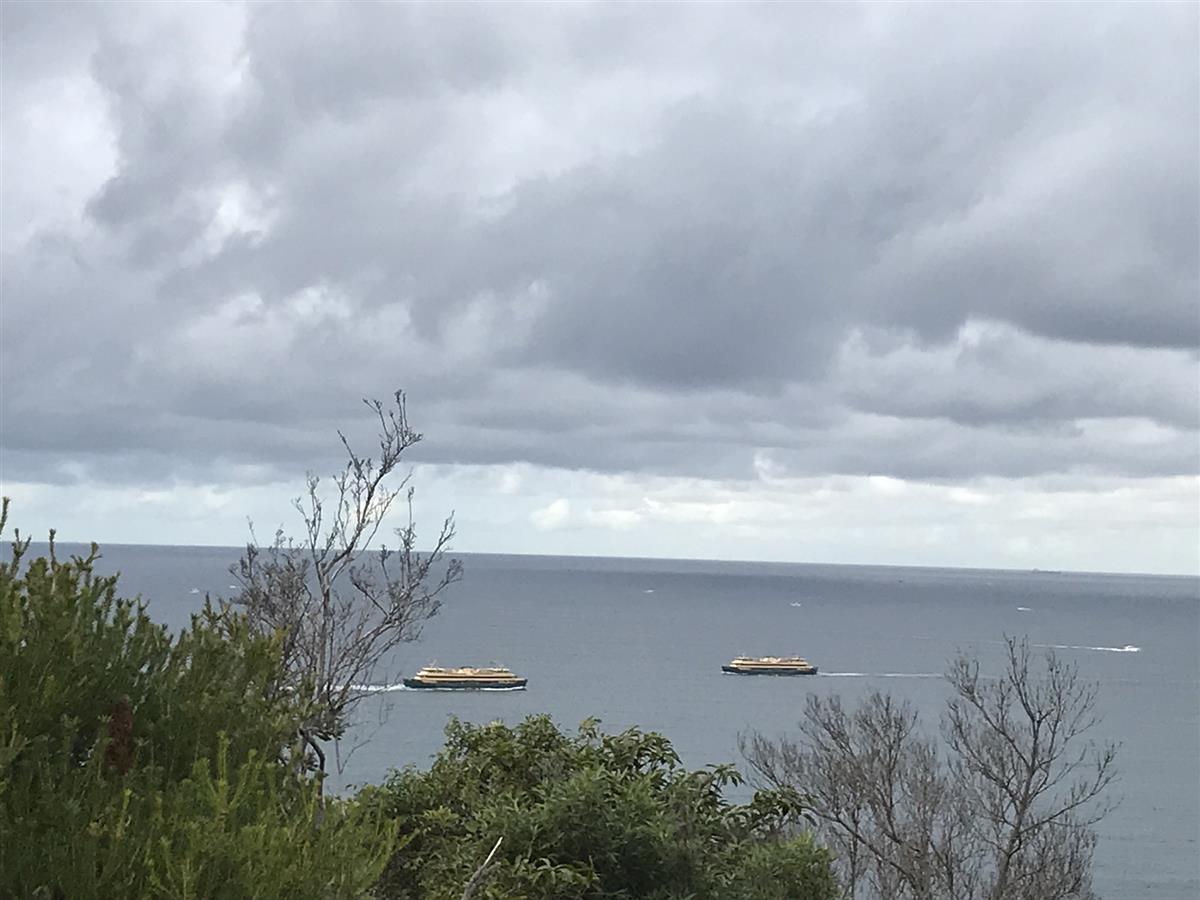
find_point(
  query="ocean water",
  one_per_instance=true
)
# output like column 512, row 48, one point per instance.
column 641, row 642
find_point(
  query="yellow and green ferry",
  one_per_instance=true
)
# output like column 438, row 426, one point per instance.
column 466, row 678
column 770, row 665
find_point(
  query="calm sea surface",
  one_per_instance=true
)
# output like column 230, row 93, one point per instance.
column 641, row 642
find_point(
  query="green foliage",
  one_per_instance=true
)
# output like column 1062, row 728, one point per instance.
column 589, row 816
column 134, row 765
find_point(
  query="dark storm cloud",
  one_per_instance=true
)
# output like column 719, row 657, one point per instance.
column 932, row 242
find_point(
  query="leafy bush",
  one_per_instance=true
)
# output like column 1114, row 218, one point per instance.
column 589, row 816
column 135, row 765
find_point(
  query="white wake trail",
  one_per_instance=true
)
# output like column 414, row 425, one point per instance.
column 1128, row 648
column 376, row 688
column 880, row 674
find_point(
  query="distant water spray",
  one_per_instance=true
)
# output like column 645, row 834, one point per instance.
column 1128, row 648
column 880, row 674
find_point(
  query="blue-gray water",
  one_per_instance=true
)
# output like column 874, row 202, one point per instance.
column 641, row 642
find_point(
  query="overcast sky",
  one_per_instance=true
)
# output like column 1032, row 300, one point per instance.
column 885, row 283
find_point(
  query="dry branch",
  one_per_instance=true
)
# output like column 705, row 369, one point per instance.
column 482, row 873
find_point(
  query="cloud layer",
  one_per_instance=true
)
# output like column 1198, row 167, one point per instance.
column 713, row 242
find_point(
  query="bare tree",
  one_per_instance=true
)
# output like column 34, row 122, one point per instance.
column 1001, row 809
column 338, row 608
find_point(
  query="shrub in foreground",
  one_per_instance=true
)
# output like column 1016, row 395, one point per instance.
column 590, row 815
column 137, row 765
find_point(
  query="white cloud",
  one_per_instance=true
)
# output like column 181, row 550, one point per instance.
column 1146, row 525
column 617, row 519
column 552, row 516
column 509, row 479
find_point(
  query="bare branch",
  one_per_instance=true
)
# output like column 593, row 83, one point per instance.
column 1005, row 813
column 338, row 607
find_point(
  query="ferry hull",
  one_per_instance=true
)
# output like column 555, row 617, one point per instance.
column 774, row 670
column 472, row 684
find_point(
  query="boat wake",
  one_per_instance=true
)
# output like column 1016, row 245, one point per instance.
column 376, row 688
column 1128, row 648
column 880, row 674
column 796, row 604
column 1023, row 609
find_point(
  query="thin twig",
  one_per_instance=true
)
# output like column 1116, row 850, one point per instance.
column 482, row 872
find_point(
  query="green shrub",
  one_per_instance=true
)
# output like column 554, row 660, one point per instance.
column 589, row 816
column 134, row 765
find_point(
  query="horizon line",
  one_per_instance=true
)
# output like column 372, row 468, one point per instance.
column 695, row 559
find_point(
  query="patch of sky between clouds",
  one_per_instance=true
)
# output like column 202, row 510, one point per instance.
column 1000, row 523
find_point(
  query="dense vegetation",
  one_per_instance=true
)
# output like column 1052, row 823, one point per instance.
column 588, row 816
column 137, row 764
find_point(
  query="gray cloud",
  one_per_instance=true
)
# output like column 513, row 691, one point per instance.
column 937, row 242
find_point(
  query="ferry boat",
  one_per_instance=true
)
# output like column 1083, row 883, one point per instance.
column 466, row 678
column 770, row 665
